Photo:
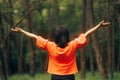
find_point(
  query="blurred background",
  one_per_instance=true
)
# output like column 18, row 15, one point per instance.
column 20, row 59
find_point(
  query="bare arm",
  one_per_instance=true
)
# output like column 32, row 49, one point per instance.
column 102, row 23
column 30, row 35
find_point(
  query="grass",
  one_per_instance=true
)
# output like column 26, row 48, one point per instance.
column 28, row 77
column 39, row 76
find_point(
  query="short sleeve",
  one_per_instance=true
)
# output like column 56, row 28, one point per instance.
column 41, row 42
column 81, row 40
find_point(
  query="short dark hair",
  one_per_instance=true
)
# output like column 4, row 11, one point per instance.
column 61, row 36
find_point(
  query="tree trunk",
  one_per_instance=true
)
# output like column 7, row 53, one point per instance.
column 83, row 64
column 110, row 41
column 99, row 59
column 108, row 36
column 32, row 58
column 118, row 62
column 3, row 75
column 82, row 52
column 11, row 23
column 117, row 12
column 31, row 43
column 56, row 12
column 50, row 23
column 91, row 59
column 20, row 56
column 7, row 42
column 19, row 45
column 2, row 66
column 90, row 22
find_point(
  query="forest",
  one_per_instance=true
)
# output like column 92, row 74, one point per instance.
column 19, row 55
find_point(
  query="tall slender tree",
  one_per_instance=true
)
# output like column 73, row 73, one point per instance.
column 110, row 40
column 90, row 23
column 6, row 47
column 3, row 75
column 30, row 26
column 56, row 12
column 117, row 30
column 97, row 47
column 82, row 52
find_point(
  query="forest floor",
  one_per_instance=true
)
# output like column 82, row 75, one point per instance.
column 46, row 76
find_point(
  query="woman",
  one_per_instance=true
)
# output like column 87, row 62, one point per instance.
column 62, row 57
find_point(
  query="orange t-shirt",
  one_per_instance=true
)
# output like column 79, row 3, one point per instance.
column 62, row 61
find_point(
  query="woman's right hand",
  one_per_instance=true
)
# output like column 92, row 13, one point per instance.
column 16, row 29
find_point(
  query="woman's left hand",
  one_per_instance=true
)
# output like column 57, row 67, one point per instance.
column 104, row 24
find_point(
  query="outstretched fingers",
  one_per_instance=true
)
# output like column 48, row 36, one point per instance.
column 104, row 24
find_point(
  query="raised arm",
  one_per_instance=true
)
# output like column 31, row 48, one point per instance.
column 101, row 24
column 30, row 35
